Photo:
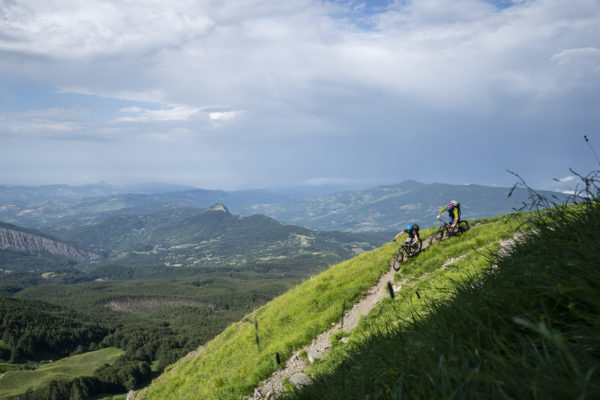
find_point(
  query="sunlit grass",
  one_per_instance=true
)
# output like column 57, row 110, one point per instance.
column 244, row 354
column 529, row 328
column 14, row 383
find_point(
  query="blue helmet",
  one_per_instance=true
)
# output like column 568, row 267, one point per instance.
column 409, row 227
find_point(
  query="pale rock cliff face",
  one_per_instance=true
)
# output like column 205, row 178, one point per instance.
column 30, row 243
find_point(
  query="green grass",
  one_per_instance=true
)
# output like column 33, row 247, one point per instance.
column 14, row 383
column 111, row 397
column 235, row 362
column 529, row 329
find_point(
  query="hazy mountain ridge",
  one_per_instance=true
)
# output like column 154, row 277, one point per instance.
column 41, row 207
column 44, row 193
column 383, row 208
column 391, row 207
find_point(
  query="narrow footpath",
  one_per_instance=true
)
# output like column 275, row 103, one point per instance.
column 317, row 349
column 320, row 345
column 269, row 389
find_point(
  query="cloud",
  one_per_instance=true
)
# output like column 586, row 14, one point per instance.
column 50, row 122
column 329, row 181
column 222, row 115
column 460, row 55
column 569, row 179
column 579, row 56
column 74, row 29
column 174, row 113
column 132, row 110
column 303, row 88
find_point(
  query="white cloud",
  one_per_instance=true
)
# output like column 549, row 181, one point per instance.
column 73, row 29
column 175, row 113
column 569, row 179
column 581, row 55
column 46, row 122
column 329, row 181
column 221, row 115
column 456, row 55
column 132, row 109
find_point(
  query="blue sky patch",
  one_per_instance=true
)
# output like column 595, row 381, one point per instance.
column 23, row 95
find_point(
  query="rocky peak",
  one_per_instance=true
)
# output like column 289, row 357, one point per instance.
column 219, row 207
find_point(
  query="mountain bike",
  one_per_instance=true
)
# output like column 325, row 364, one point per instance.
column 445, row 229
column 406, row 250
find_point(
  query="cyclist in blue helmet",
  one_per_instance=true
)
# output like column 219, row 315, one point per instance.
column 453, row 209
column 413, row 233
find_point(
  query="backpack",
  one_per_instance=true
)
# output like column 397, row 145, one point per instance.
column 455, row 203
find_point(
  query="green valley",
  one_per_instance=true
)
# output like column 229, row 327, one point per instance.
column 164, row 284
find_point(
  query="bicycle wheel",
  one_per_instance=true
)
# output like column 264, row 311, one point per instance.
column 463, row 226
column 436, row 237
column 397, row 261
column 415, row 248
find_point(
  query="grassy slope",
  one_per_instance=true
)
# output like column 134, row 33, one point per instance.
column 14, row 383
column 233, row 363
column 528, row 329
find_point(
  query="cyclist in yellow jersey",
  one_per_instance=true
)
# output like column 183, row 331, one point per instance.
column 453, row 209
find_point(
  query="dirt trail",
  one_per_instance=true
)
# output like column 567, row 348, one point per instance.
column 320, row 345
column 268, row 389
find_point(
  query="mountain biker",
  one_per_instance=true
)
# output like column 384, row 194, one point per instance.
column 413, row 232
column 453, row 209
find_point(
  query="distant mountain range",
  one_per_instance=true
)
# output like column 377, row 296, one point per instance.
column 46, row 193
column 384, row 208
column 390, row 208
column 32, row 208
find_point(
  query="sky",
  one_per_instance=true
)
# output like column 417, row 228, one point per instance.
column 239, row 94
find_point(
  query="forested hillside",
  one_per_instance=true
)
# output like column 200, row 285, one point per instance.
column 211, row 237
column 38, row 330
